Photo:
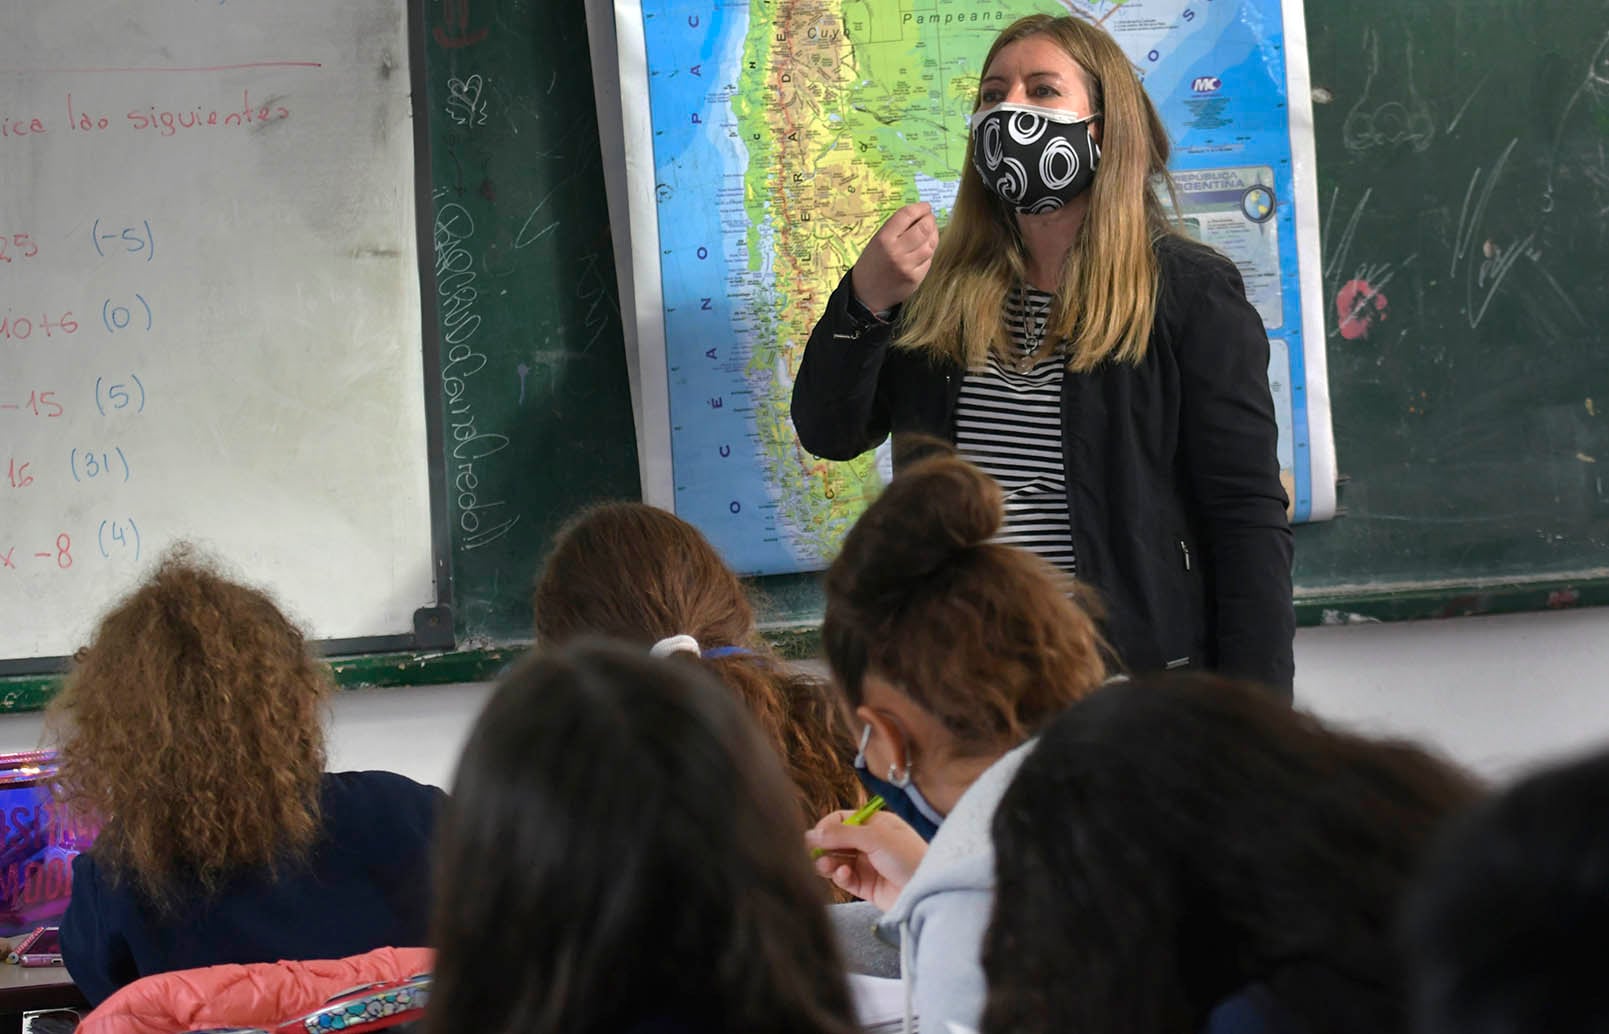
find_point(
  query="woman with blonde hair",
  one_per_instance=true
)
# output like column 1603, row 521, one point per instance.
column 191, row 729
column 640, row 575
column 1108, row 372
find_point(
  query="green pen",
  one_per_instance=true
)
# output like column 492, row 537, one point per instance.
column 861, row 814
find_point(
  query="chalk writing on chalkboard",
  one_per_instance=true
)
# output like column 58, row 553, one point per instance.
column 481, row 520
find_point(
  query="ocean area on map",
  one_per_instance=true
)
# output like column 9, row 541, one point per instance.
column 699, row 164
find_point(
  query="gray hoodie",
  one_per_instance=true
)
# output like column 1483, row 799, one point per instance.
column 940, row 917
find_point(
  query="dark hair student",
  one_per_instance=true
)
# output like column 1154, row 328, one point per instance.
column 1176, row 841
column 1070, row 340
column 620, row 856
column 1505, row 931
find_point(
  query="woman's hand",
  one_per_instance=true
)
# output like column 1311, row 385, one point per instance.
column 896, row 258
column 873, row 861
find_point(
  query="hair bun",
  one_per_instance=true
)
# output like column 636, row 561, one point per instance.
column 936, row 507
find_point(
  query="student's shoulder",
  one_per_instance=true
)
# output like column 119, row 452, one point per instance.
column 356, row 797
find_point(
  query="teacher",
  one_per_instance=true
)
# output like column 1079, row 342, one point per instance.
column 1107, row 371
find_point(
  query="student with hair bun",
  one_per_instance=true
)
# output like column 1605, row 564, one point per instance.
column 952, row 651
column 641, row 575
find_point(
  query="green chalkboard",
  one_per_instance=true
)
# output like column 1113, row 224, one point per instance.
column 536, row 410
column 1464, row 192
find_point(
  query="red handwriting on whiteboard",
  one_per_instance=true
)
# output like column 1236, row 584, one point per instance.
column 40, row 403
column 61, row 554
column 21, row 328
column 14, row 246
column 455, row 32
column 26, row 126
column 17, row 474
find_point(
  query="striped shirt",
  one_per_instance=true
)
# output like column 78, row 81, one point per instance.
column 1008, row 423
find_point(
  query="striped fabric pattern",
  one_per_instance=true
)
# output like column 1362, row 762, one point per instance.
column 1008, row 423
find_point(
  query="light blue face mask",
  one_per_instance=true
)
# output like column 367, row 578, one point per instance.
column 900, row 796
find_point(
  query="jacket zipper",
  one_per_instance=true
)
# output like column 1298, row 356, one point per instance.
column 1184, row 550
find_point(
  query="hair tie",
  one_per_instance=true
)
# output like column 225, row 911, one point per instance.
column 716, row 652
column 675, row 644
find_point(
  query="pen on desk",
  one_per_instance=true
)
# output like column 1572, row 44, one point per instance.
column 858, row 818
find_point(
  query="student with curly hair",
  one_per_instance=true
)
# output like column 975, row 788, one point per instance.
column 641, row 575
column 631, row 864
column 191, row 729
column 1184, row 853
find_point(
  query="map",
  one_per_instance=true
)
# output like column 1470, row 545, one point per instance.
column 783, row 133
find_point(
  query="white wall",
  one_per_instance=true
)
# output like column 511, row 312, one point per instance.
column 1497, row 693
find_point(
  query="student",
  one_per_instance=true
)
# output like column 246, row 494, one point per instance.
column 1108, row 371
column 952, row 651
column 638, row 574
column 191, row 729
column 1505, row 929
column 1178, row 841
column 619, row 856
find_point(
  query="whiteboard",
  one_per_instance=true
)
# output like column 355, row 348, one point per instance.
column 210, row 295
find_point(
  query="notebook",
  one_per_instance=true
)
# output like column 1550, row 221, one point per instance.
column 879, row 1004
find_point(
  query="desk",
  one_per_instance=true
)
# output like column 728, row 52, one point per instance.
column 26, row 988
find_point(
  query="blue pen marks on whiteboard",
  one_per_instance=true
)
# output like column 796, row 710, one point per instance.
column 128, row 240
column 117, row 316
column 95, row 465
column 120, row 395
column 118, row 535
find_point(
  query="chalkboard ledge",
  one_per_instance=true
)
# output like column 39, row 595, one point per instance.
column 800, row 639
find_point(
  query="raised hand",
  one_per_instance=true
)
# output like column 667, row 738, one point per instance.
column 896, row 258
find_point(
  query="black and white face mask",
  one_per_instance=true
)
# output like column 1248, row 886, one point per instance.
column 1036, row 159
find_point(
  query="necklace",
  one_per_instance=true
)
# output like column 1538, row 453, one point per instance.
column 1035, row 314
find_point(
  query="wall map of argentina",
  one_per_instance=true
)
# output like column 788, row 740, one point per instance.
column 785, row 131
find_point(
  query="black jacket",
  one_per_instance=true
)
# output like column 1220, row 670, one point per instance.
column 1178, row 513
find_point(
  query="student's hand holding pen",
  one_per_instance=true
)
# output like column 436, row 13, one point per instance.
column 873, row 860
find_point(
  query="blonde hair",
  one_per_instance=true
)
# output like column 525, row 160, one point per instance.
column 1108, row 296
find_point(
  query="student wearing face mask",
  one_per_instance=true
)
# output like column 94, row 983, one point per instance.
column 1108, row 372
column 951, row 651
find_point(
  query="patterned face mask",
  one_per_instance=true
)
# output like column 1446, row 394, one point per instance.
column 1036, row 159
